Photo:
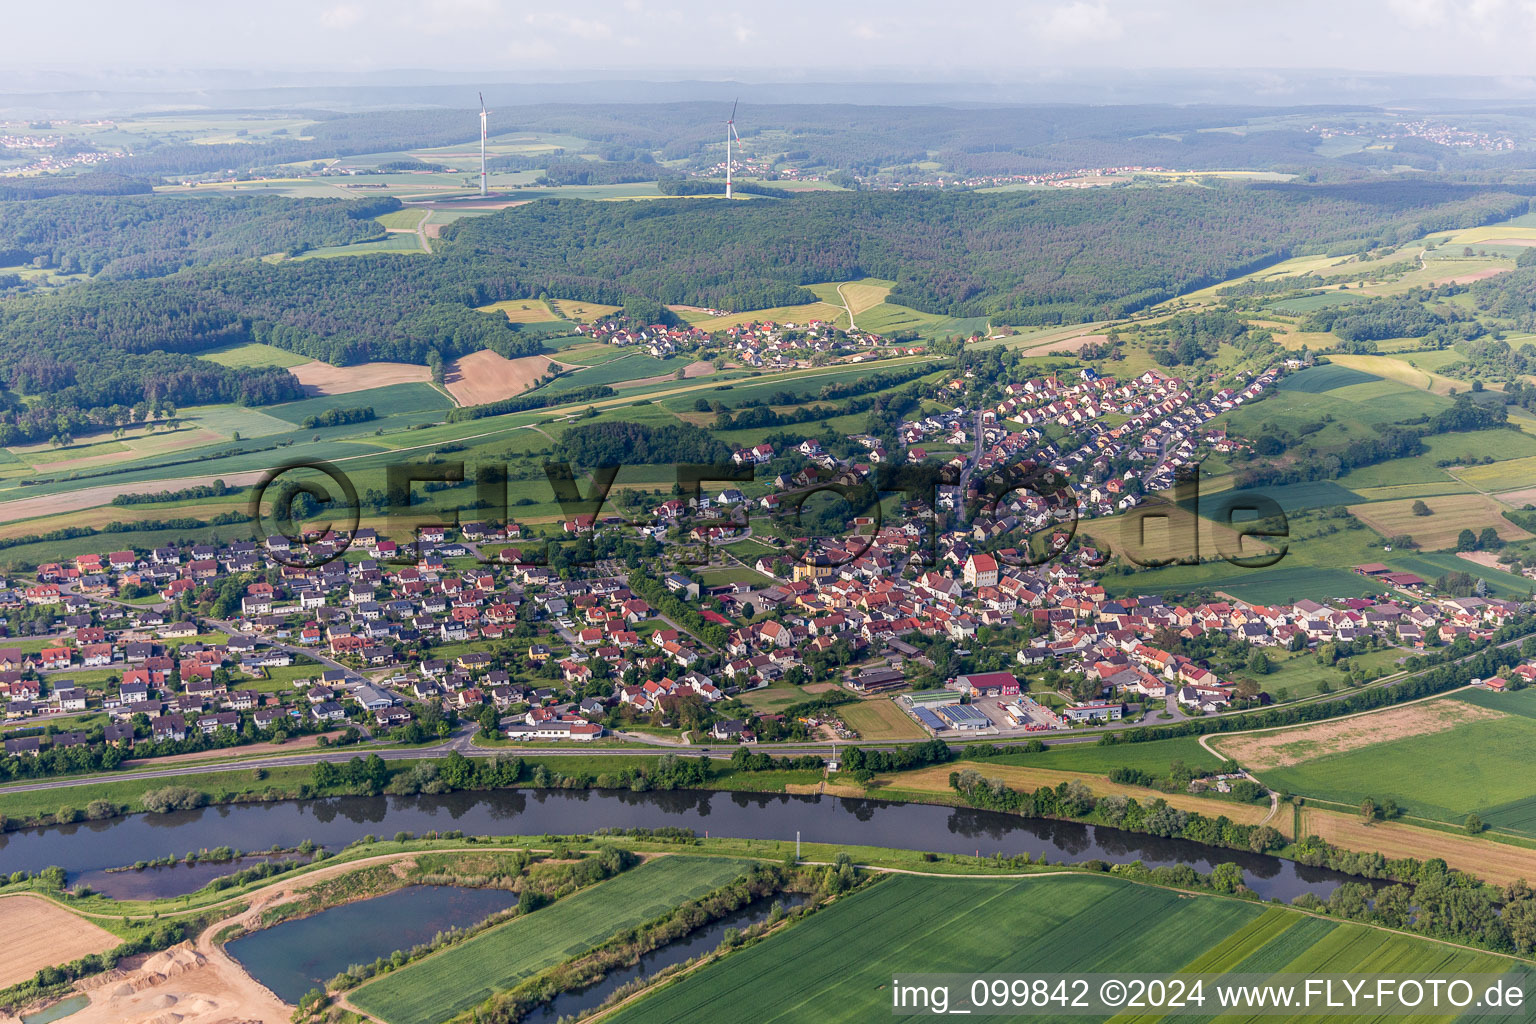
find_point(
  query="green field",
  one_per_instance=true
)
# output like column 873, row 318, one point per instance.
column 1312, row 303
column 1324, row 378
column 252, row 354
column 1153, row 756
column 634, row 366
column 394, row 400
column 1474, row 770
column 398, row 242
column 1330, row 408
column 463, row 975
column 1292, row 497
column 838, row 965
column 1283, row 583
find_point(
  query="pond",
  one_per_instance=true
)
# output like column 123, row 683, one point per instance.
column 58, row 1011
column 295, row 956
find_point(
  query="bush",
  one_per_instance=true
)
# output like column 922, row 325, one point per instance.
column 96, row 810
column 173, row 798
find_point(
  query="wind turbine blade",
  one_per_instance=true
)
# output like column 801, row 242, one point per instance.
column 733, row 109
column 482, row 102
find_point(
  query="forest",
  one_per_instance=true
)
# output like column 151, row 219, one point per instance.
column 622, row 444
column 1376, row 319
column 149, row 236
column 1017, row 257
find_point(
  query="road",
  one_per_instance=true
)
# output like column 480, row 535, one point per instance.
column 962, row 509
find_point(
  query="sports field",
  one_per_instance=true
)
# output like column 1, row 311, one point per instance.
column 838, row 965
column 457, row 978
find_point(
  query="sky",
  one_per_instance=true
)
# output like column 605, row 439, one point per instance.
column 993, row 40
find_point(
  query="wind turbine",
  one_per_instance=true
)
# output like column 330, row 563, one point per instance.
column 730, row 132
column 482, row 143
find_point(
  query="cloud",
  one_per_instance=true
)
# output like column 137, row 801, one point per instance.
column 582, row 28
column 866, row 30
column 1081, row 22
column 341, row 16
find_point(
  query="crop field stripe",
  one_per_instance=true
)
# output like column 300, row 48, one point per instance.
column 461, row 976
column 820, row 969
column 1325, row 378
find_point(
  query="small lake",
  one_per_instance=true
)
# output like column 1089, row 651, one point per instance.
column 90, row 846
column 293, row 957
column 58, row 1011
column 571, row 1004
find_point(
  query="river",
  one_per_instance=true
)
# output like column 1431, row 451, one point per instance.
column 86, row 848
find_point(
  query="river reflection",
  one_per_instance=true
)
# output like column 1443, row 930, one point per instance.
column 337, row 821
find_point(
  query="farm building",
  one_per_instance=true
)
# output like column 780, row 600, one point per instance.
column 963, row 716
column 987, row 684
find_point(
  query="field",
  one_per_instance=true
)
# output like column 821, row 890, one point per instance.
column 1452, row 513
column 252, row 354
column 585, row 312
column 1324, row 378
column 801, row 315
column 324, row 379
column 389, row 400
column 733, row 574
column 1499, row 863
column 630, row 367
column 1472, row 761
column 1153, row 756
column 1312, row 303
column 1282, row 748
column 461, row 976
column 1413, row 370
column 522, row 311
column 837, row 966
column 484, row 376
column 39, row 934
column 881, row 719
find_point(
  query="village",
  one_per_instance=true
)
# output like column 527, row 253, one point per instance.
column 183, row 648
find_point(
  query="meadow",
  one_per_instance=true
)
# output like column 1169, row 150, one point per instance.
column 881, row 719
column 1153, row 756
column 1450, row 514
column 252, row 353
column 1473, row 767
column 837, row 966
column 463, row 975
